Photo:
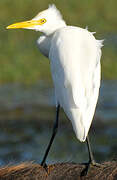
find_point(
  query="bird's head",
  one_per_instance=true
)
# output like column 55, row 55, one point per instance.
column 47, row 21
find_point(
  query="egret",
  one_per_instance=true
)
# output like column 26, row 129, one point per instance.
column 74, row 56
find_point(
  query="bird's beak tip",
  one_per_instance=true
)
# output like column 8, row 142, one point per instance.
column 7, row 27
column 14, row 26
column 10, row 27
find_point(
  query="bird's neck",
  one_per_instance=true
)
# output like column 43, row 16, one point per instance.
column 44, row 43
column 60, row 25
column 52, row 29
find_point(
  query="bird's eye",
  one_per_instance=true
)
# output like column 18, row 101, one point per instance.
column 43, row 21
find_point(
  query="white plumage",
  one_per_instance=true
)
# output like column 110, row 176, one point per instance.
column 74, row 56
column 75, row 66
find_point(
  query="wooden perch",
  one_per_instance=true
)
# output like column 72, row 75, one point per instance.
column 60, row 171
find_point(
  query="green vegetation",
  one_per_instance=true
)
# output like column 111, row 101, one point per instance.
column 20, row 60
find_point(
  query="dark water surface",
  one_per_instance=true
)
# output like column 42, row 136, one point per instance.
column 26, row 119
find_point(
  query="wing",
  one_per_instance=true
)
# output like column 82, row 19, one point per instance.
column 75, row 66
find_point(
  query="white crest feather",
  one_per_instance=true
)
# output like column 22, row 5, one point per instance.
column 56, row 12
column 93, row 32
column 86, row 28
column 100, row 43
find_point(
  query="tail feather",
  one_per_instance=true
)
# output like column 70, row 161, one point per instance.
column 77, row 122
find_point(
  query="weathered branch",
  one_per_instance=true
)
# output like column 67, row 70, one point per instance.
column 62, row 171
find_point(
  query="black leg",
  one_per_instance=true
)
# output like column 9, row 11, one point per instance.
column 91, row 158
column 55, row 127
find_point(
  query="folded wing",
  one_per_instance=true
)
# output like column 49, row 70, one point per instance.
column 75, row 66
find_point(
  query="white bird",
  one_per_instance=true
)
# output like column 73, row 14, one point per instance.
column 74, row 56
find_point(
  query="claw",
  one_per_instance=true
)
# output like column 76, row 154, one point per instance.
column 45, row 166
column 89, row 165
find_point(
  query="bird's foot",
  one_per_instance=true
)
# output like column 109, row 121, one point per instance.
column 44, row 165
column 93, row 163
column 89, row 165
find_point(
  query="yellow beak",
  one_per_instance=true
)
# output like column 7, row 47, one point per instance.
column 25, row 24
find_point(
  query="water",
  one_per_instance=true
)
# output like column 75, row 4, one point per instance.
column 26, row 119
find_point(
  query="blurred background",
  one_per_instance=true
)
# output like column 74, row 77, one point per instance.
column 26, row 91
